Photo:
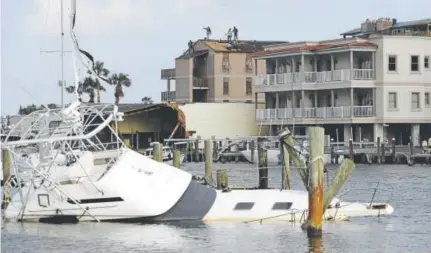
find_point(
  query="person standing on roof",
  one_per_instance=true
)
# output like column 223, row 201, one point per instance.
column 208, row 30
column 235, row 33
column 191, row 48
column 229, row 35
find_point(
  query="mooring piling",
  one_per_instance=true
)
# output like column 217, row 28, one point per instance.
column 177, row 158
column 315, row 193
column 262, row 164
column 378, row 151
column 393, row 151
column 351, row 150
column 196, row 150
column 157, row 152
column 285, row 172
column 383, row 155
column 208, row 154
column 252, row 150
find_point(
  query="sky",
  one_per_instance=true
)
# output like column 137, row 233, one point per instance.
column 141, row 37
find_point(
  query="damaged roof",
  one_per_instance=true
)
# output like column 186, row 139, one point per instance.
column 315, row 48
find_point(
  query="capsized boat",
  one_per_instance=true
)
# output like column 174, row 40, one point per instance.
column 100, row 179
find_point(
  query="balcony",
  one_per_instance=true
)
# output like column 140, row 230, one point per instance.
column 200, row 83
column 345, row 112
column 340, row 75
column 168, row 96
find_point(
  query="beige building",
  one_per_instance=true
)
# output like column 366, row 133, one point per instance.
column 215, row 71
column 375, row 84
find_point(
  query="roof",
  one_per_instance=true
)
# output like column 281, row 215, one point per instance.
column 358, row 31
column 240, row 46
column 314, row 48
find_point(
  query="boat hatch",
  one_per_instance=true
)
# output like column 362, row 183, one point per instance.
column 379, row 206
column 244, row 206
column 282, row 205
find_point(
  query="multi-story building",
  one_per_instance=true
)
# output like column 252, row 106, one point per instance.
column 214, row 71
column 375, row 84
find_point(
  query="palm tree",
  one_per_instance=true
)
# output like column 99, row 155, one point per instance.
column 147, row 100
column 101, row 71
column 120, row 80
column 87, row 86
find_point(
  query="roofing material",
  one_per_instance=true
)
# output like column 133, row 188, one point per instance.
column 315, row 48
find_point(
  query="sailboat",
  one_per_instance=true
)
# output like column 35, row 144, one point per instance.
column 111, row 182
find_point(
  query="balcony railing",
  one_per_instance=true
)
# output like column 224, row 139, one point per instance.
column 168, row 96
column 200, row 82
column 344, row 112
column 315, row 77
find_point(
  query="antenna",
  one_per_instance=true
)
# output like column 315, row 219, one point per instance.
column 61, row 51
column 33, row 98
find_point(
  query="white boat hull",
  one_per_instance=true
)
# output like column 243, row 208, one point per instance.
column 139, row 189
column 273, row 156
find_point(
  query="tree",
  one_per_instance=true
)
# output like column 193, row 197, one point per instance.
column 100, row 70
column 29, row 109
column 120, row 80
column 87, row 86
column 147, row 100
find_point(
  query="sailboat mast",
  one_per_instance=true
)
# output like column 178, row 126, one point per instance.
column 62, row 53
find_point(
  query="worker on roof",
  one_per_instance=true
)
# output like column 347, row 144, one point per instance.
column 229, row 35
column 208, row 30
column 235, row 33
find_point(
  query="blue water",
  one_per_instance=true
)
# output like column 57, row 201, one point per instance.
column 407, row 230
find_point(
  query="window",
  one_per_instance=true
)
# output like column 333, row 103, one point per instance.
column 226, row 86
column 426, row 62
column 392, row 100
column 427, row 99
column 414, row 63
column 225, row 62
column 415, row 100
column 392, row 63
column 248, row 64
column 282, row 205
column 244, row 206
column 248, row 86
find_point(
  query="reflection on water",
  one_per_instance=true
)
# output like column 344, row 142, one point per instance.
column 408, row 230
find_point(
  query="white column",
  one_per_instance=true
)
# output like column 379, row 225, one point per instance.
column 378, row 132
column 347, row 133
column 332, row 63
column 351, row 65
column 302, row 67
column 332, row 98
column 277, row 101
column 373, row 64
column 315, row 63
column 415, row 134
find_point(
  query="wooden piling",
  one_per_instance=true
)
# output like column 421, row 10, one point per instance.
column 262, row 163
column 157, row 152
column 222, row 179
column 177, row 158
column 410, row 161
column 346, row 168
column 285, row 174
column 6, row 165
column 208, row 153
column 196, row 150
column 333, row 156
column 215, row 149
column 393, row 151
column 288, row 141
column 252, row 150
column 378, row 151
column 351, row 150
column 315, row 193
column 383, row 156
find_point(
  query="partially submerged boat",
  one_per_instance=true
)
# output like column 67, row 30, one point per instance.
column 101, row 179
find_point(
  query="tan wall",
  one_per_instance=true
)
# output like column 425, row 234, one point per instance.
column 183, row 83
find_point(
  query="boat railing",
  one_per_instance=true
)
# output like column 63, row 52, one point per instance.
column 374, row 192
